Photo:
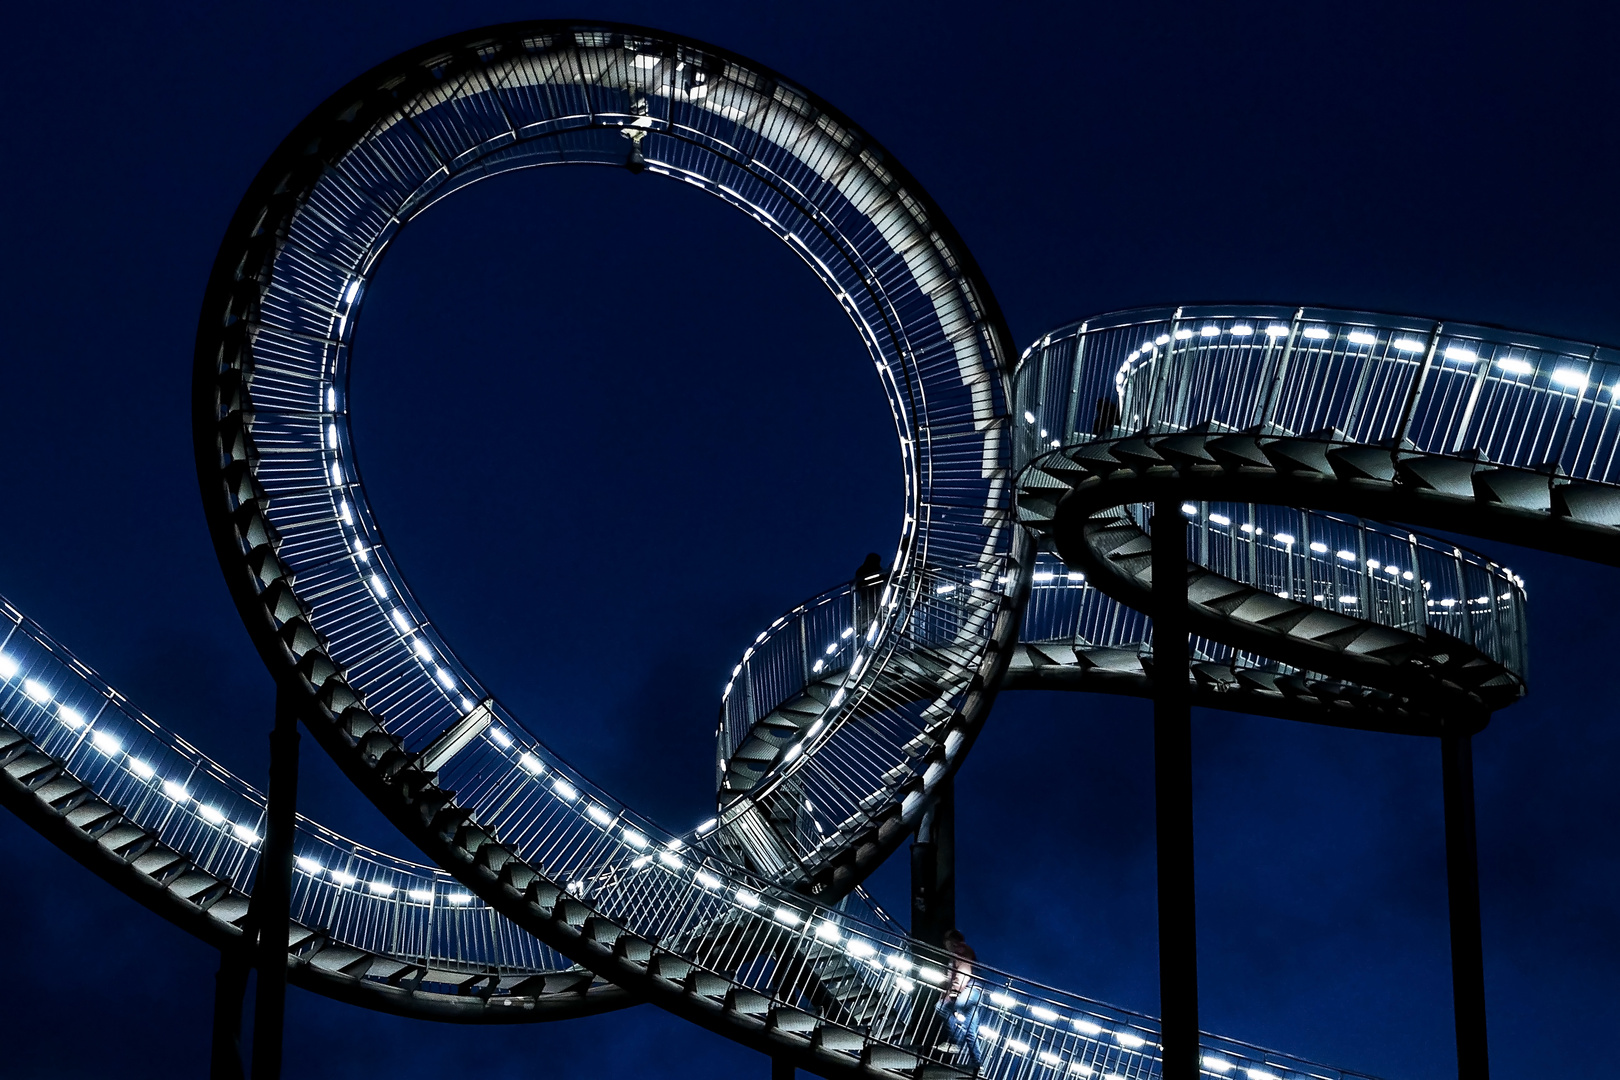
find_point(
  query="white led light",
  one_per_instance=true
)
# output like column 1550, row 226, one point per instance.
column 1347, row 556
column 786, row 917
column 72, row 717
column 848, row 631
column 945, row 590
column 670, row 859
column 1276, row 330
column 564, row 789
column 1217, row 1065
column 308, row 866
column 747, row 899
column 209, row 814
column 989, row 1035
column 175, row 791
column 1373, row 564
column 381, row 888
column 818, row 665
column 708, row 826
column 706, row 879
column 1005, row 1001
column 1247, row 526
column 640, row 860
column 1029, row 418
column 1461, row 355
column 1569, row 377
column 904, row 985
column 860, row 948
column 1406, row 344
column 421, row 896
column 37, row 690
column 1162, row 339
column 1042, row 576
column 1189, row 508
column 1086, row 1027
column 398, row 615
column 1049, row 1058
column 1515, row 366
column 1220, row 519
column 599, row 815
column 1407, row 575
column 343, row 511
column 459, row 898
column 343, row 879
column 141, row 768
column 1392, row 571
column 1015, row 1047
column 796, row 749
column 826, row 931
column 1319, row 547
column 446, row 680
column 1260, row 1074
column 1183, row 335
column 501, row 738
column 1126, row 1039
column 933, row 975
column 1361, row 337
column 635, row 839
column 379, row 584
column 1209, row 331
column 531, row 764
column 1079, row 1069
column 331, row 398
column 897, row 962
column 1347, row 599
column 1315, row 333
column 1242, row 331
column 419, row 647
column 8, row 667
column 245, row 834
column 337, row 474
column 360, row 550
column 1283, row 538
column 1041, row 1012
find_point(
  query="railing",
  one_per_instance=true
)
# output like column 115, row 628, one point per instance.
column 1362, row 569
column 360, row 897
column 1339, row 376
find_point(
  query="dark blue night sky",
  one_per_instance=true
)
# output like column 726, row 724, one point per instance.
column 612, row 429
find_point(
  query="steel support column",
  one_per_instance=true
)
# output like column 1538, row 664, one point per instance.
column 272, row 893
column 1172, row 785
column 1462, row 891
column 230, row 985
column 933, row 869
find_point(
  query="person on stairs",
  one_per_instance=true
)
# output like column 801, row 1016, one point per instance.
column 961, row 1001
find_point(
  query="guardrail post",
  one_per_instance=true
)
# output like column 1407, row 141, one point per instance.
column 933, row 869
column 272, row 893
column 1462, row 892
column 1172, row 786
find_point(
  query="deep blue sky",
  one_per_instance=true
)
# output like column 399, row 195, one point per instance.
column 612, row 429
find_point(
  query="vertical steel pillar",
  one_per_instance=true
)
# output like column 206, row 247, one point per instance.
column 272, row 893
column 230, row 985
column 1462, row 890
column 933, row 869
column 1172, row 785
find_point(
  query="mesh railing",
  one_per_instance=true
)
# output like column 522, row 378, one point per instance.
column 361, row 897
column 1503, row 396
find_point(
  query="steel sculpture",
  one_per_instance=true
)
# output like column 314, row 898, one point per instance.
column 1027, row 556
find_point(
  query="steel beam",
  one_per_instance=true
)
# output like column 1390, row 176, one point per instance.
column 933, row 869
column 1462, row 891
column 1172, row 785
column 272, row 893
column 230, row 984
